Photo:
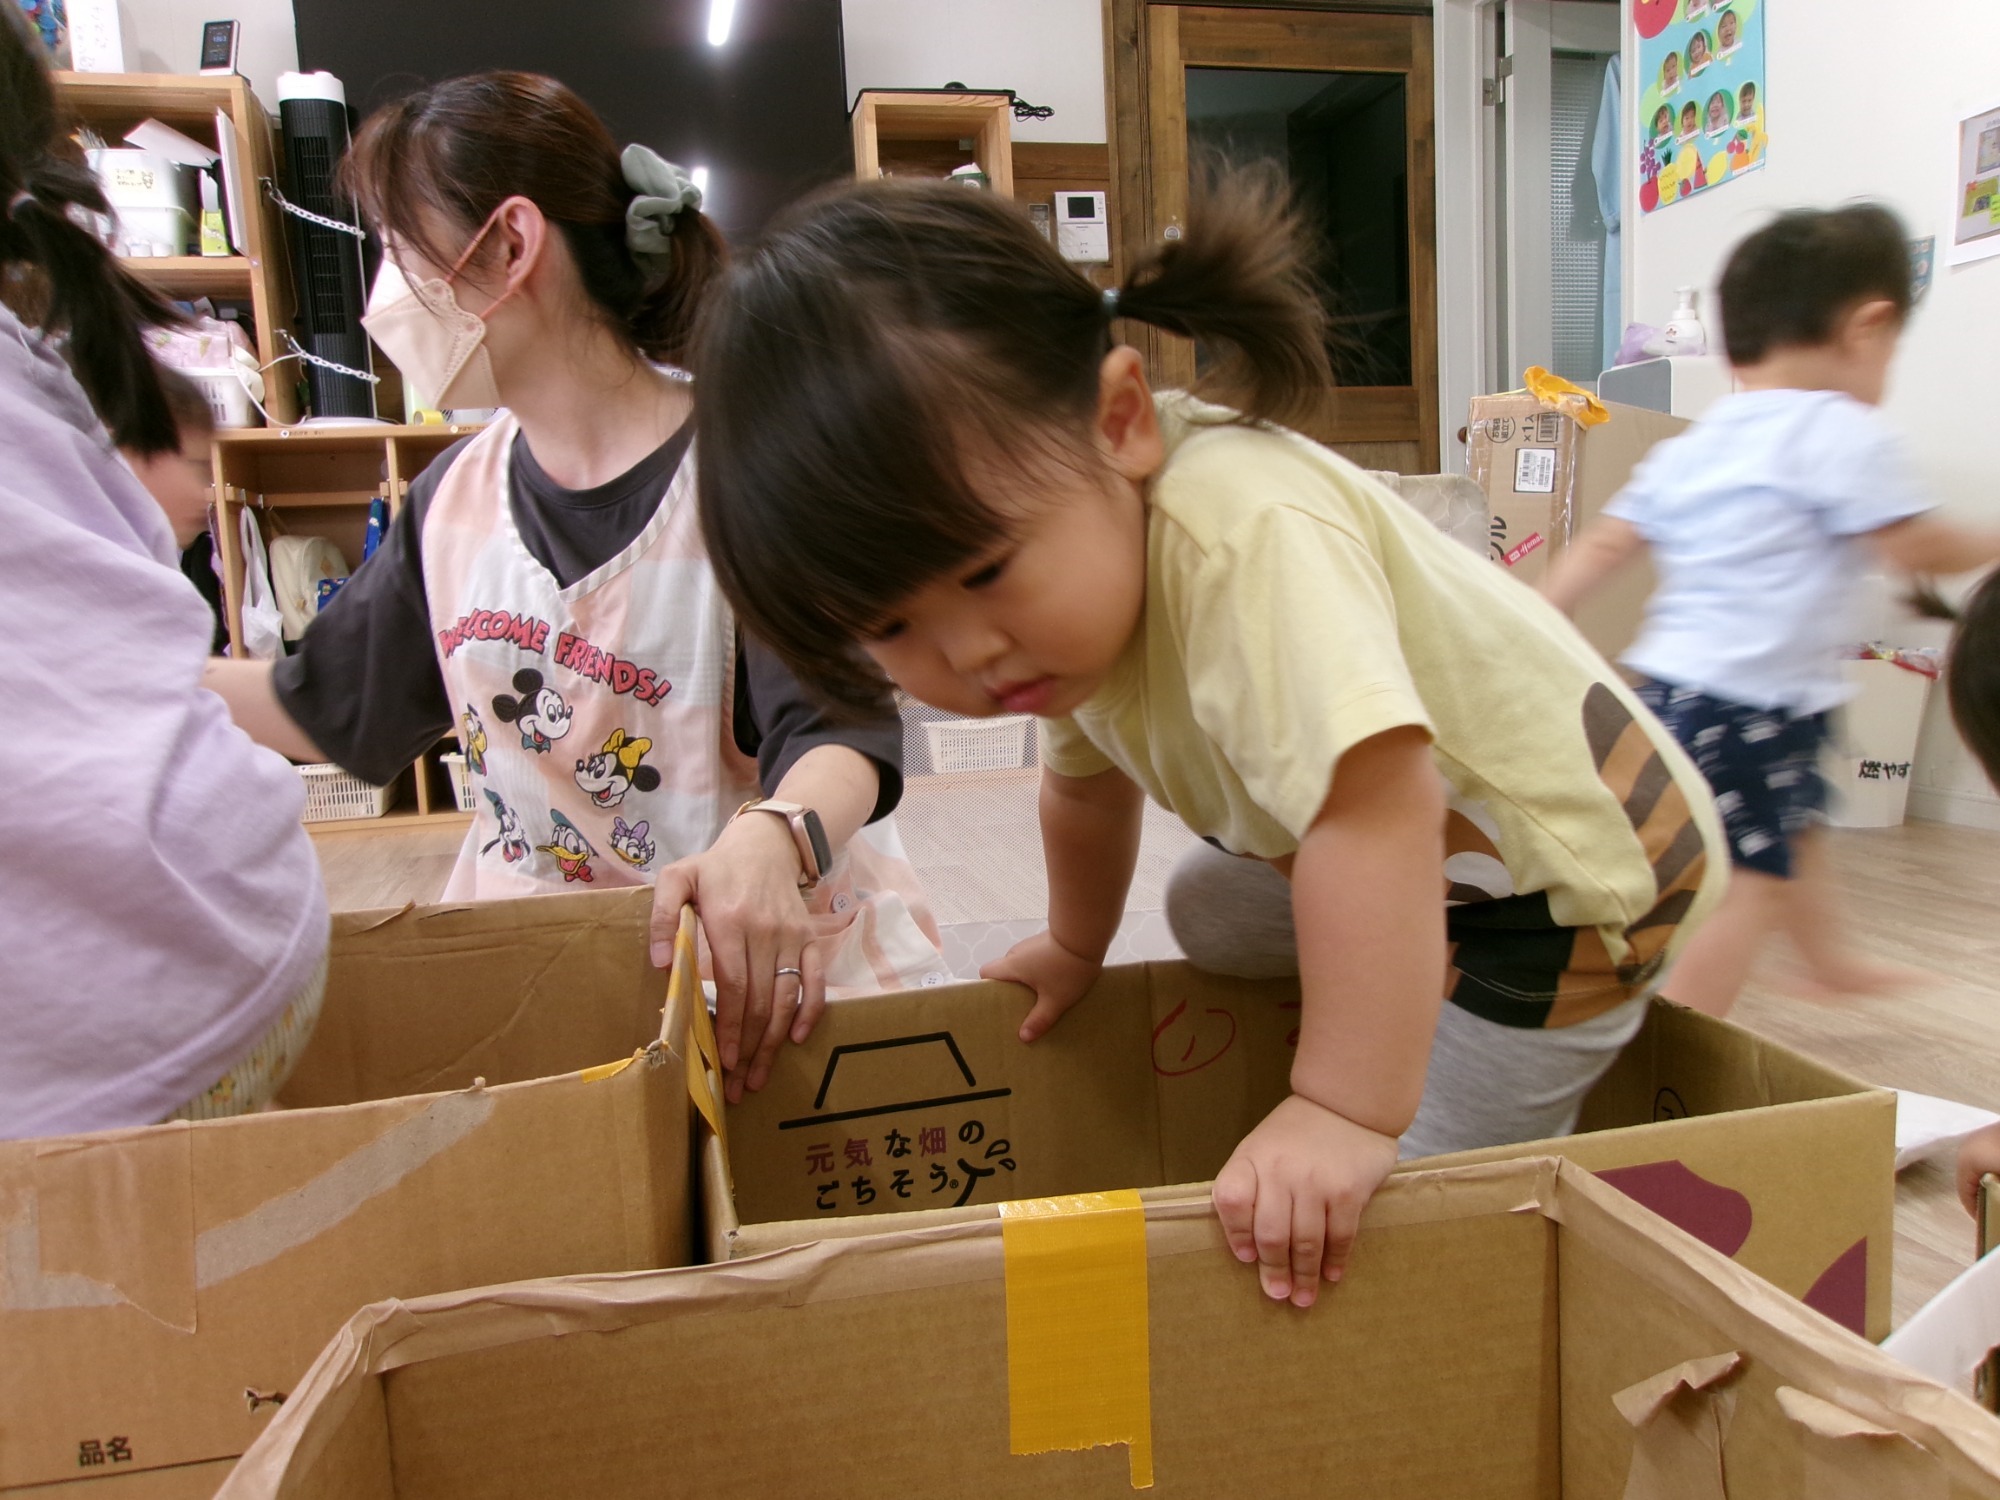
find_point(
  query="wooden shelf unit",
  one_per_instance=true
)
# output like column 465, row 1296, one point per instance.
column 919, row 135
column 318, row 481
column 112, row 103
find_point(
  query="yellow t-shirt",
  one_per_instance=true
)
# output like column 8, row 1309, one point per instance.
column 1295, row 607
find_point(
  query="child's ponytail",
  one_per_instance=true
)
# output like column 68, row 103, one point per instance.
column 871, row 371
column 1238, row 282
column 55, row 271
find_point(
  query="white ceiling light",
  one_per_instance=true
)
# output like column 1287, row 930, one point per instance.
column 700, row 177
column 721, row 13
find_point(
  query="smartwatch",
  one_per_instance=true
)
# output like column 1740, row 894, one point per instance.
column 815, row 855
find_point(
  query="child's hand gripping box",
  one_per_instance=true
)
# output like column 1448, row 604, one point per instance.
column 1546, row 476
column 162, row 1290
column 1503, row 1331
column 926, row 1105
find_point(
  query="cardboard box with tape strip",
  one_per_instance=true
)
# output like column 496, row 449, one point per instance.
column 498, row 1098
column 1504, row 1331
column 928, row 1103
column 1545, row 478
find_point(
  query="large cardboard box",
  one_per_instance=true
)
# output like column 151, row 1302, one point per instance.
column 1505, row 1332
column 1545, row 477
column 162, row 1290
column 926, row 1104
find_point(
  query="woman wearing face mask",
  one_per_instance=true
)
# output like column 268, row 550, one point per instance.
column 543, row 589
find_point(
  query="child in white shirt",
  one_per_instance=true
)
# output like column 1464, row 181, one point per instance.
column 1761, row 521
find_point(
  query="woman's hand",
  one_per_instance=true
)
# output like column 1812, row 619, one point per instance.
column 1058, row 977
column 745, row 889
column 1290, row 1197
column 1978, row 1155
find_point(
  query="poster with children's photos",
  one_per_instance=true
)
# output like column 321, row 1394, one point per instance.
column 1975, row 201
column 1699, row 96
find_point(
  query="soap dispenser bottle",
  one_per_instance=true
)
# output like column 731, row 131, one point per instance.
column 1684, row 333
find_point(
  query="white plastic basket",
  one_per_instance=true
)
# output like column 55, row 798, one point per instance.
column 979, row 744
column 226, row 397
column 332, row 794
column 461, row 780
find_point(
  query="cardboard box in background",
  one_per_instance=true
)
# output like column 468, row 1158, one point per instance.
column 152, row 1280
column 927, row 1103
column 1545, row 478
column 1503, row 1331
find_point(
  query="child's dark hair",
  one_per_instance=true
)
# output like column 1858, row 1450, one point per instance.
column 54, row 271
column 1788, row 285
column 1972, row 670
column 463, row 147
column 885, row 330
column 193, row 416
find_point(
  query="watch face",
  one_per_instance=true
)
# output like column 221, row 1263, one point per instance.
column 822, row 851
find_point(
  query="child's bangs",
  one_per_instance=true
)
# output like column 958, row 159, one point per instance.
column 836, row 491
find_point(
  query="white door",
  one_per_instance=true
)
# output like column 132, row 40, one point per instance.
column 1522, row 258
column 1555, row 258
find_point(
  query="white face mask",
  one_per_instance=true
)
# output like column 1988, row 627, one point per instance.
column 438, row 345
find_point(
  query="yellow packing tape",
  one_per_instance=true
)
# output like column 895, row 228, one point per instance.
column 684, row 989
column 605, row 1070
column 1079, row 1367
column 1565, row 396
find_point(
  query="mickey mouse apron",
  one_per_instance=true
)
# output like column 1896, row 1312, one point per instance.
column 597, row 720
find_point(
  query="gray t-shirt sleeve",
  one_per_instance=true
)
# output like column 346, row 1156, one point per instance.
column 787, row 721
column 366, row 687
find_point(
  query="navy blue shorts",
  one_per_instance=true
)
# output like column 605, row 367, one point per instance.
column 1761, row 763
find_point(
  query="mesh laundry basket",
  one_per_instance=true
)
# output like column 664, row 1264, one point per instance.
column 959, row 745
column 461, row 780
column 332, row 794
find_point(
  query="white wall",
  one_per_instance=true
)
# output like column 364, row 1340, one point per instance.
column 1949, row 371
column 1047, row 51
column 164, row 36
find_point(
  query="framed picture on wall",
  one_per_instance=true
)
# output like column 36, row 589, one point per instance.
column 1975, row 205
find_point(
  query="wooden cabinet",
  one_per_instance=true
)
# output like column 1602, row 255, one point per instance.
column 112, row 103
column 318, row 481
column 932, row 133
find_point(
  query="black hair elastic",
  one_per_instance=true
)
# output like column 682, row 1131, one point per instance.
column 1110, row 302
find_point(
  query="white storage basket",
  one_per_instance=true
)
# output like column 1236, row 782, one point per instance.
column 461, row 780
column 332, row 794
column 959, row 745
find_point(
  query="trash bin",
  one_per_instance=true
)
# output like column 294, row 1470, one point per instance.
column 1867, row 763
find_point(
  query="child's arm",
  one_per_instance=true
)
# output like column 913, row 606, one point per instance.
column 253, row 703
column 1090, row 841
column 1368, row 902
column 1600, row 550
column 1930, row 544
column 1978, row 1155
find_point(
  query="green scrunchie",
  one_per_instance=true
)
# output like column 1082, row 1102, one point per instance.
column 660, row 191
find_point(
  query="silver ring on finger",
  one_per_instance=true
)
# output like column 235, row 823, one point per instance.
column 793, row 972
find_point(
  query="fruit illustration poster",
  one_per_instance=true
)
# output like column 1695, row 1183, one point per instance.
column 1699, row 95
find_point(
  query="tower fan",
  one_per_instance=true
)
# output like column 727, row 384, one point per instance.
column 326, row 246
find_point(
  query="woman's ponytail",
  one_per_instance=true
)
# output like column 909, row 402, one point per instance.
column 55, row 272
column 663, row 323
column 1239, row 282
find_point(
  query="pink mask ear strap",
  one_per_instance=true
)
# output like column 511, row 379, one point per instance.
column 467, row 254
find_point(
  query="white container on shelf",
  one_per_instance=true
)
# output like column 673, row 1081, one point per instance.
column 332, row 794
column 461, row 780
column 157, row 202
column 227, row 399
column 979, row 744
column 1867, row 764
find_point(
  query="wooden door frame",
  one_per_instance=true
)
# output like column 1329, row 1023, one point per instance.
column 1129, row 37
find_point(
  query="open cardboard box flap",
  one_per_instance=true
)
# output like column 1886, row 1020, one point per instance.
column 1511, row 1329
column 927, row 1103
column 161, row 1288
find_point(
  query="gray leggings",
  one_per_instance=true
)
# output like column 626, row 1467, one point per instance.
column 1487, row 1084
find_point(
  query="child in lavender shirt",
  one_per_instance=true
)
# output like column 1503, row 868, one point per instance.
column 161, row 912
